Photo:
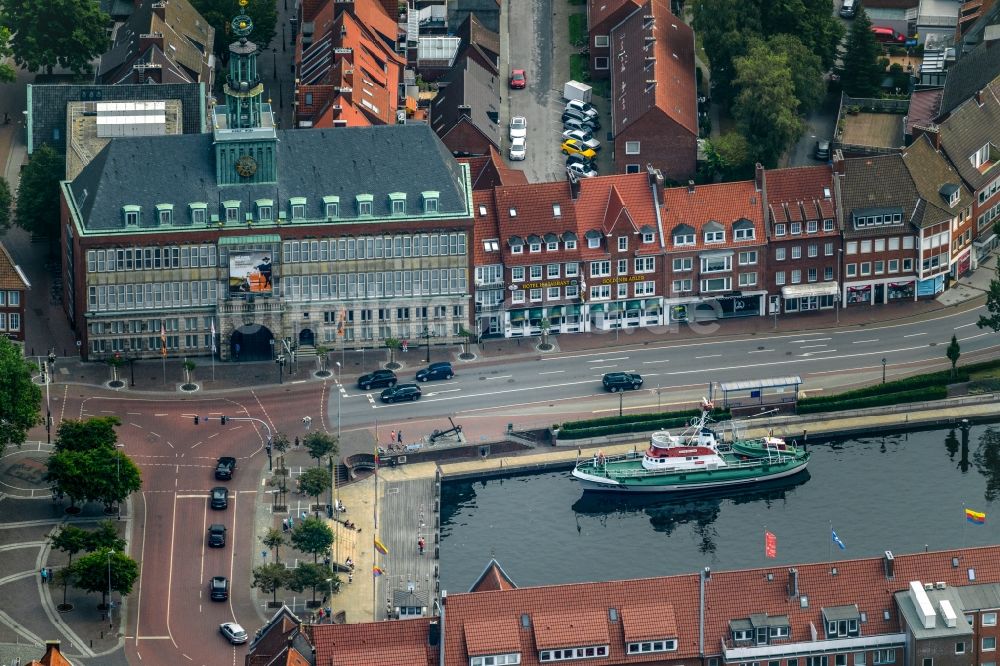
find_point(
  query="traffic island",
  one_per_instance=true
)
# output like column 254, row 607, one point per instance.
column 115, row 384
column 189, row 387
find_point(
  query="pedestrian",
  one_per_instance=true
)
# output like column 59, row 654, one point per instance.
column 392, row 436
column 326, row 560
column 45, row 574
column 48, row 574
column 296, row 442
column 350, row 576
column 399, row 436
column 284, row 524
column 420, row 545
column 291, row 523
column 305, row 514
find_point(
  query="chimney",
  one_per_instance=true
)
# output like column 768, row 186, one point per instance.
column 979, row 97
column 655, row 176
column 889, row 564
column 434, row 633
column 758, row 176
column 51, row 649
column 793, row 582
column 160, row 9
column 465, row 110
column 690, row 187
column 574, row 186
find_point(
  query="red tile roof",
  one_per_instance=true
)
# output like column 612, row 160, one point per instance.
column 11, row 275
column 645, row 623
column 599, row 10
column 486, row 228
column 801, row 193
column 491, row 637
column 493, row 578
column 489, row 171
column 375, row 643
column 724, row 203
column 575, row 628
column 672, row 68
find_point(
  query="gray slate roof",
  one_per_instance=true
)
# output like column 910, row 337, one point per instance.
column 312, row 163
column 980, row 597
column 930, row 172
column 468, row 83
column 969, row 128
column 895, row 190
column 970, row 73
column 940, row 630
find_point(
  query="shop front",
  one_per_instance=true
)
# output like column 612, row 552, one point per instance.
column 859, row 294
column 963, row 265
column 984, row 247
column 731, row 307
column 808, row 297
column 930, row 287
column 902, row 291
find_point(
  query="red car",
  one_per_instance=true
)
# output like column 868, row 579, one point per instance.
column 888, row 35
column 517, row 79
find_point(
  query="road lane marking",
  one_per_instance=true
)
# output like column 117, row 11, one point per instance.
column 973, row 337
column 600, row 367
column 708, row 356
column 664, row 360
column 604, row 360
column 809, row 340
column 161, row 414
column 813, row 346
column 445, row 391
column 551, row 372
column 133, row 414
column 913, row 335
column 152, row 638
column 818, row 351
column 971, row 323
column 759, row 351
column 501, row 377
column 858, row 342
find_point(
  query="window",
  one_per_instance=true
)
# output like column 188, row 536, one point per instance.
column 866, row 246
column 840, row 660
column 716, row 264
column 552, row 271
column 779, row 278
column 796, row 276
column 907, row 265
column 631, row 147
column 535, row 295
column 748, row 279
column 622, row 290
column 907, row 242
column 884, row 656
column 859, row 659
column 652, row 646
column 365, row 204
column 517, row 274
column 779, row 230
column 779, row 253
column 812, row 250
column 645, row 264
column 572, row 269
column 165, row 214
column 517, row 296
column 827, row 225
column 552, row 246
column 496, row 660
column 298, row 205
column 744, row 234
column 573, row 653
column 601, row 62
column 600, row 268
column 645, row 288
column 817, row 661
column 928, row 661
column 600, row 292
column 748, row 258
column 570, row 244
column 715, row 236
column 682, row 264
column 398, row 202
column 812, row 275
column 852, row 247
column 648, row 237
column 828, row 249
column 430, row 201
column 535, row 272
column 796, row 228
column 990, row 619
column 602, row 41
column 552, row 293
column 13, row 298
column 812, row 226
column 684, row 238
column 622, row 267
column 681, row 285
column 717, row 284
column 879, row 267
column 593, row 242
column 131, row 214
column 989, row 643
column 828, row 273
column 622, row 243
column 866, row 268
column 232, row 212
column 535, row 247
column 332, row 207
column 14, row 321
column 960, row 647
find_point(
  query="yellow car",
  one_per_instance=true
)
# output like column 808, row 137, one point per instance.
column 574, row 147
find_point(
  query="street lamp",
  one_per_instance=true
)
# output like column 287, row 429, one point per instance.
column 130, row 356
column 110, row 622
column 280, row 361
column 883, row 370
column 47, row 377
column 621, row 402
column 118, row 474
column 840, row 260
column 427, row 335
column 340, row 381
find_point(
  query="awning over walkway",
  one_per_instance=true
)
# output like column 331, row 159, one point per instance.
column 751, row 384
column 804, row 290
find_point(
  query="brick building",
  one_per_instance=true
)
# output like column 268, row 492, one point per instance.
column 13, row 293
column 602, row 16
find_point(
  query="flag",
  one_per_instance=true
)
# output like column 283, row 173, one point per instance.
column 770, row 544
column 380, row 547
column 163, row 338
column 213, row 336
column 377, row 571
column 836, row 540
column 376, row 457
column 975, row 517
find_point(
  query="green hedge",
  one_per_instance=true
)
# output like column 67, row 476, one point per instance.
column 896, row 398
column 625, row 427
column 717, row 415
column 932, row 379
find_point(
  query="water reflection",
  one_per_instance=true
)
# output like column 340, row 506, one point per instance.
column 987, row 459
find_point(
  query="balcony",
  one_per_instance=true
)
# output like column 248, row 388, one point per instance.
column 247, row 308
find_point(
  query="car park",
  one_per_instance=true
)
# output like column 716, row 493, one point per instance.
column 581, row 170
column 219, row 588
column 518, row 127
column 580, row 159
column 621, row 381
column 233, row 632
column 585, row 138
column 575, row 124
column 574, row 147
column 216, row 535
column 584, row 107
column 442, row 370
column 401, row 393
column 518, row 79
column 518, row 150
column 574, row 114
column 220, row 497
column 376, row 379
column 224, row 468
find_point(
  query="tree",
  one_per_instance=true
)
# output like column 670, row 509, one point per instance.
column 189, row 367
column 992, row 321
column 69, row 475
column 7, row 73
column 105, row 537
column 315, row 481
column 312, row 535
column 274, row 539
column 6, row 199
column 810, row 22
column 219, row 14
column 728, row 156
column 862, row 72
column 70, row 539
column 68, row 33
column 321, row 354
column 765, row 107
column 393, row 344
column 97, row 571
column 97, row 432
column 807, row 71
column 20, row 398
column 465, row 333
column 279, row 442
column 725, row 29
column 115, row 476
column 320, row 444
column 269, row 577
column 311, row 575
column 38, row 195
column 953, row 352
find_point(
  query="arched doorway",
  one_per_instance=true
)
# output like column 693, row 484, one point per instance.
column 306, row 337
column 251, row 343
column 706, row 311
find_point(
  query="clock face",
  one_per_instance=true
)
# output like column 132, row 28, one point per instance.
column 246, row 166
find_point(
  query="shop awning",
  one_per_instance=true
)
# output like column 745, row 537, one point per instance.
column 615, row 306
column 804, row 290
column 597, row 307
column 633, row 305
column 556, row 311
column 653, row 304
column 517, row 315
column 572, row 309
column 535, row 313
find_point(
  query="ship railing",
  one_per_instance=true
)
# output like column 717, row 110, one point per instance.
column 601, row 470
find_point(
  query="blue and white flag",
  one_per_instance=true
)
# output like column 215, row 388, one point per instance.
column 836, row 540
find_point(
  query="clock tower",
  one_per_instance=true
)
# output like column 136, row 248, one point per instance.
column 245, row 137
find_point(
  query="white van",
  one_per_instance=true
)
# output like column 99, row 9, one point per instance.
column 849, row 9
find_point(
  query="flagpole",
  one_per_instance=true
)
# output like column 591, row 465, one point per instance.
column 965, row 520
column 765, row 545
column 829, row 557
column 374, row 537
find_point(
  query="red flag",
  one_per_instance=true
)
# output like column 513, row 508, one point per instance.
column 770, row 544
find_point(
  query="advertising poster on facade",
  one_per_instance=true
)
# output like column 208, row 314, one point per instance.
column 249, row 273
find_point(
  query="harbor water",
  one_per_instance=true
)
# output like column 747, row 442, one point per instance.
column 900, row 492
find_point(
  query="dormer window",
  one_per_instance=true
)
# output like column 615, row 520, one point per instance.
column 297, row 207
column 516, row 244
column 397, row 200
column 643, row 647
column 131, row 215
column 199, row 213
column 742, row 634
column 841, row 621
column 683, row 235
column 828, row 225
column 551, row 242
column 951, row 193
column 983, row 158
column 430, row 201
column 496, row 660
column 265, row 210
column 743, row 230
column 593, row 239
column 331, row 207
column 365, row 204
column 165, row 214
column 232, row 210
column 714, row 233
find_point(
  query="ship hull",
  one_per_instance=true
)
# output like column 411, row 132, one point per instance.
column 689, row 482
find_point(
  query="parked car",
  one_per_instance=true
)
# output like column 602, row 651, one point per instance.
column 580, row 159
column 518, row 149
column 401, row 393
column 518, row 79
column 220, row 497
column 888, row 35
column 585, row 107
column 574, row 147
column 233, row 632
column 585, row 138
column 620, row 381
column 576, row 114
column 224, row 468
column 518, row 127
column 377, row 378
column 581, row 170
column 219, row 587
column 822, row 151
column 442, row 370
column 575, row 124
column 216, row 535
column 849, row 9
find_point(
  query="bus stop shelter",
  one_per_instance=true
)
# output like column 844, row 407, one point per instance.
column 753, row 396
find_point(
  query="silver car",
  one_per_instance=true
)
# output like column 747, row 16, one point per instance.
column 518, row 127
column 581, row 170
column 236, row 634
column 518, row 149
column 584, row 138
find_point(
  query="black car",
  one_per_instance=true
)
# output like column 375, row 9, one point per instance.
column 216, row 536
column 572, row 123
column 582, row 117
column 219, row 587
column 578, row 159
column 220, row 497
column 436, row 371
column 224, row 468
column 377, row 378
column 620, row 381
column 400, row 393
